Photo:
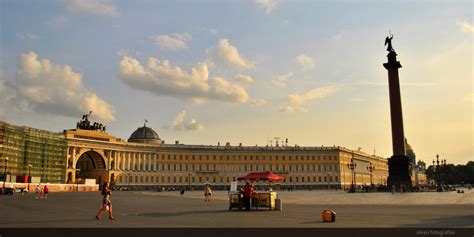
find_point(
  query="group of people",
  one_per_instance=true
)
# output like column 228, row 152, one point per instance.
column 106, row 203
column 41, row 193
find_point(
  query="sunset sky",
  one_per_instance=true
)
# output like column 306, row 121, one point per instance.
column 208, row 71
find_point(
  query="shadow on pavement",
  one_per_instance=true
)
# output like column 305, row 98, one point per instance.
column 453, row 221
column 169, row 214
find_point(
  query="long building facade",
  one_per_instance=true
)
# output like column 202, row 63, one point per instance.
column 147, row 162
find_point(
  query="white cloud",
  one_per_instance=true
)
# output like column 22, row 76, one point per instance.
column 173, row 41
column 258, row 103
column 213, row 31
column 242, row 79
column 231, row 55
column 318, row 93
column 280, row 81
column 59, row 21
column 468, row 98
column 268, row 5
column 305, row 61
column 292, row 109
column 466, row 26
column 45, row 87
column 28, row 36
column 161, row 78
column 180, row 124
column 97, row 7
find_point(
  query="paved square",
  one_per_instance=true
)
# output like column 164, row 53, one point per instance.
column 301, row 209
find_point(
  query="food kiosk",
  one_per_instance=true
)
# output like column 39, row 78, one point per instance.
column 260, row 199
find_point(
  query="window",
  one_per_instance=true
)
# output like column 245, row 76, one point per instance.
column 319, row 179
column 297, row 179
column 296, row 168
column 213, row 179
column 330, row 168
column 169, row 157
column 251, row 167
column 169, row 179
column 245, row 168
column 319, row 168
column 174, row 167
column 302, row 179
column 291, row 168
column 174, row 179
column 200, row 157
column 207, row 157
column 214, row 157
column 302, row 168
column 193, row 168
column 141, row 179
column 271, row 167
column 187, row 167
column 325, row 179
column 162, row 179
column 174, row 157
column 136, row 179
column 169, row 167
column 335, row 167
column 314, row 179
column 180, row 179
column 256, row 168
column 324, row 167
column 180, row 167
column 193, row 179
column 200, row 179
column 283, row 157
column 200, row 169
column 291, row 179
column 284, row 168
column 335, row 177
column 146, row 179
column 120, row 179
column 207, row 167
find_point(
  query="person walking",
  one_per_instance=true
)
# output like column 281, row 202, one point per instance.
column 393, row 189
column 37, row 192
column 106, row 203
column 46, row 191
column 248, row 192
column 207, row 193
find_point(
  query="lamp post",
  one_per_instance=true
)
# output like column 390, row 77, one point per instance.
column 5, row 173
column 77, row 179
column 371, row 169
column 29, row 176
column 438, row 172
column 352, row 166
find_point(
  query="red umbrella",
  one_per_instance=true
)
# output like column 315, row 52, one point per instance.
column 259, row 176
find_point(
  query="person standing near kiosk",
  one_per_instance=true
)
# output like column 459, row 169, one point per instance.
column 248, row 192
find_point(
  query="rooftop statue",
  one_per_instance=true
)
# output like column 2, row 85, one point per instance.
column 86, row 124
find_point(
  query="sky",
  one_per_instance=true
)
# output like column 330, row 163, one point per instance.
column 243, row 71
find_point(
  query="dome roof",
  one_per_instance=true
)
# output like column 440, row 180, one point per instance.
column 144, row 135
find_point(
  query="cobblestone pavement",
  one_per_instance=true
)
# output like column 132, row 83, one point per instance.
column 300, row 209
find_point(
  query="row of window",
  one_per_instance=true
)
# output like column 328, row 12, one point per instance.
column 124, row 179
column 221, row 167
column 231, row 157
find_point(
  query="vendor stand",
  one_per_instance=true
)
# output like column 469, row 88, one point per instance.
column 265, row 199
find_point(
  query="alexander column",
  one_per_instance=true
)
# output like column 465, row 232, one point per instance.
column 398, row 164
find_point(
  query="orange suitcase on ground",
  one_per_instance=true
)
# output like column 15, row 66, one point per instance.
column 329, row 216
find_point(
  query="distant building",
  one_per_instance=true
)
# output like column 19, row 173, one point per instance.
column 417, row 169
column 146, row 161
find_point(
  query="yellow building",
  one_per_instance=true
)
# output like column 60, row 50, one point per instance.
column 145, row 161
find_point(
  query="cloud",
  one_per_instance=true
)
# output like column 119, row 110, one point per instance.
column 318, row 93
column 28, row 36
column 229, row 54
column 280, row 81
column 59, row 21
column 213, row 31
column 180, row 124
column 292, row 109
column 466, row 26
column 97, row 7
column 258, row 103
column 467, row 98
column 268, row 5
column 45, row 87
column 305, row 61
column 244, row 80
column 173, row 41
column 161, row 78
column 296, row 102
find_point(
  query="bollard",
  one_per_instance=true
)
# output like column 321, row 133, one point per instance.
column 278, row 204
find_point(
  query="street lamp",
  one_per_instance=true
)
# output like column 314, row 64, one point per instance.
column 5, row 173
column 77, row 179
column 352, row 166
column 438, row 172
column 29, row 176
column 371, row 169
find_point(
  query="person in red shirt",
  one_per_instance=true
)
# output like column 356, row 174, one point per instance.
column 248, row 192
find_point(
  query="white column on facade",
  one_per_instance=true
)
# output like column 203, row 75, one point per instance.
column 154, row 161
column 73, row 157
column 132, row 157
